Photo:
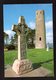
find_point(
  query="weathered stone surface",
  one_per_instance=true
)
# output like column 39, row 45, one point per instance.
column 22, row 66
column 20, row 30
column 40, row 34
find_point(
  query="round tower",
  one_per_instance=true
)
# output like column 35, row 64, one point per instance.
column 40, row 30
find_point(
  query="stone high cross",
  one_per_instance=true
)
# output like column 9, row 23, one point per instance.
column 21, row 30
column 21, row 65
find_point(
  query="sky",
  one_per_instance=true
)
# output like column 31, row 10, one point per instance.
column 12, row 12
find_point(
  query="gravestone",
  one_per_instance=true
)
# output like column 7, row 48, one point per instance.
column 21, row 65
column 47, row 47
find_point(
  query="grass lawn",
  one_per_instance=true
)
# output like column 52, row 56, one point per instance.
column 39, row 57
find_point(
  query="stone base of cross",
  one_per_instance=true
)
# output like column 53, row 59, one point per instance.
column 21, row 65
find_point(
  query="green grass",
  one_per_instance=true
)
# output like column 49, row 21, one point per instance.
column 39, row 57
column 10, row 56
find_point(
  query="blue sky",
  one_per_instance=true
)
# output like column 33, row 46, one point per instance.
column 12, row 12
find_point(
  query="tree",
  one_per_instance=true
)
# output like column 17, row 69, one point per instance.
column 12, row 40
column 31, row 35
column 30, row 38
column 6, row 37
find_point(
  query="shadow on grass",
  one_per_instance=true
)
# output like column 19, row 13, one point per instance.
column 37, row 65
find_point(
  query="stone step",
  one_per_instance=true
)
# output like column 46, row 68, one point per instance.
column 39, row 72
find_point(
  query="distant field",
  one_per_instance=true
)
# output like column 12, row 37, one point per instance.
column 39, row 57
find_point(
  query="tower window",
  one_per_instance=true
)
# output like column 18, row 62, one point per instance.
column 40, row 39
column 40, row 12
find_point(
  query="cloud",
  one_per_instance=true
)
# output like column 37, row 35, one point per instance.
column 10, row 33
column 49, row 34
column 49, row 37
column 49, row 25
column 32, row 25
column 49, row 31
